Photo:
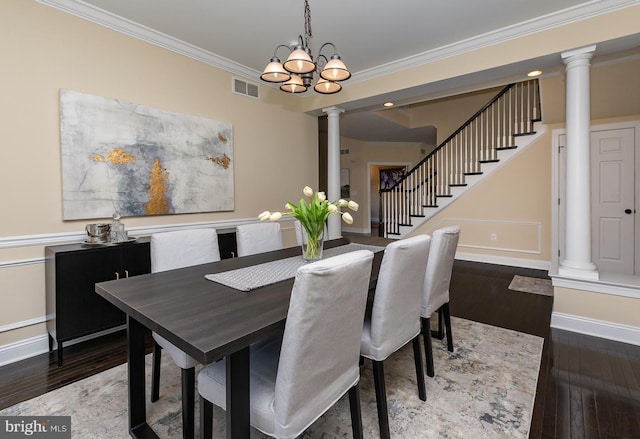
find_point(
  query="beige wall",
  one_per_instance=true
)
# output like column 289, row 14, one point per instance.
column 615, row 89
column 44, row 50
column 597, row 306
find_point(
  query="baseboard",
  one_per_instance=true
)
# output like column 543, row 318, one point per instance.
column 596, row 328
column 30, row 347
column 355, row 230
column 501, row 260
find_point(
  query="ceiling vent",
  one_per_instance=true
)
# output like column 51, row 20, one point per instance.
column 246, row 88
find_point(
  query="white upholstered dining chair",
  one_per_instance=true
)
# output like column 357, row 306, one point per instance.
column 394, row 318
column 435, row 292
column 294, row 380
column 171, row 250
column 258, row 238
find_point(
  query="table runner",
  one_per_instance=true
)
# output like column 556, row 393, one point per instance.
column 256, row 276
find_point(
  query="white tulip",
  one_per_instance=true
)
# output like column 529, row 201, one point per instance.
column 275, row 216
column 287, row 206
column 342, row 202
column 353, row 205
column 347, row 218
column 333, row 208
column 322, row 196
column 307, row 191
column 264, row 215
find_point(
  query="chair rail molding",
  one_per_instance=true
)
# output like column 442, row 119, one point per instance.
column 71, row 237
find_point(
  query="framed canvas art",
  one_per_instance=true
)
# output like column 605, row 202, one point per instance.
column 390, row 176
column 135, row 160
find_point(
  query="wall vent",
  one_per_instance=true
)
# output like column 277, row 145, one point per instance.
column 246, row 88
column 344, row 151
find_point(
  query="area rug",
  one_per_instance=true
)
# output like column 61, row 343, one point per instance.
column 484, row 389
column 532, row 285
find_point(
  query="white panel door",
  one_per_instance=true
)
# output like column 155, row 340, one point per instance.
column 612, row 200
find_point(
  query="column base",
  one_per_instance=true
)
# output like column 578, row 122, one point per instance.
column 579, row 272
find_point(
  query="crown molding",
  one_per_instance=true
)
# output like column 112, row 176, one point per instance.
column 578, row 13
column 143, row 33
column 574, row 14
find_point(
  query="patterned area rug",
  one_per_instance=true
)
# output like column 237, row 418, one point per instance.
column 532, row 285
column 484, row 389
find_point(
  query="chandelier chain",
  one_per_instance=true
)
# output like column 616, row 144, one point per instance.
column 307, row 24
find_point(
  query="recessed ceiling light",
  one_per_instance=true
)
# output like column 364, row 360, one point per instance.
column 534, row 73
column 388, row 104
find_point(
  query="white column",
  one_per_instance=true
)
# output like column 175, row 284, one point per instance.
column 576, row 261
column 333, row 167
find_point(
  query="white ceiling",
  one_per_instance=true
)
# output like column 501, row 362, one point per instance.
column 371, row 36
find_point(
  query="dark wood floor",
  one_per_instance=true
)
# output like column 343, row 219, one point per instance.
column 587, row 387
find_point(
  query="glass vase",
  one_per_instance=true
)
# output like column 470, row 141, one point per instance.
column 312, row 240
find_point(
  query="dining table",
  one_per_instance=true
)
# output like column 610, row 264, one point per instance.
column 210, row 320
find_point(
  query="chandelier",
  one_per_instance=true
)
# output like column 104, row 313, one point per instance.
column 297, row 72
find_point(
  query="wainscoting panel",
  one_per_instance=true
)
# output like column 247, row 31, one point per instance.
column 507, row 236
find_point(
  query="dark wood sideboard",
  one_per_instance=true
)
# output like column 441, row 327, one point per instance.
column 74, row 310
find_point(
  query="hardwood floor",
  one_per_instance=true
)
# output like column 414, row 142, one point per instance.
column 587, row 387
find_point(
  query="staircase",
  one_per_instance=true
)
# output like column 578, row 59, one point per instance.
column 505, row 124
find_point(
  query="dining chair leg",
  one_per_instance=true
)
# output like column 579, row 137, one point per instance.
column 206, row 419
column 188, row 402
column 381, row 399
column 417, row 358
column 356, row 412
column 447, row 323
column 428, row 348
column 439, row 334
column 155, row 372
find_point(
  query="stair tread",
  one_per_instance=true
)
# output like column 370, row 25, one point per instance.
column 528, row 133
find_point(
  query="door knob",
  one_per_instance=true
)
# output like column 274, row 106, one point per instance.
column 628, row 211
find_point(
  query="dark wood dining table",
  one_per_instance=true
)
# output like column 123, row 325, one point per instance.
column 207, row 320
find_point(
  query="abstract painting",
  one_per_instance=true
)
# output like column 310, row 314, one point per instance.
column 135, row 160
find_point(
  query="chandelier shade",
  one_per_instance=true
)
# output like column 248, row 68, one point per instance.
column 275, row 72
column 294, row 85
column 299, row 62
column 297, row 73
column 327, row 87
column 335, row 70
